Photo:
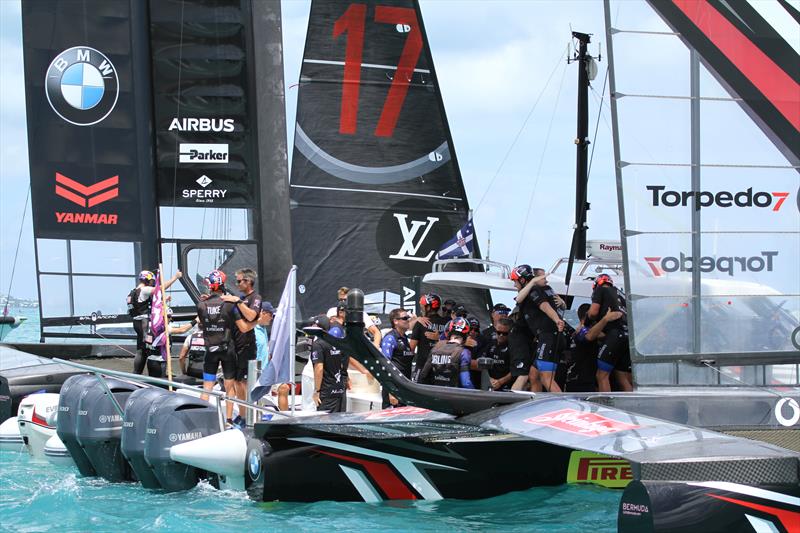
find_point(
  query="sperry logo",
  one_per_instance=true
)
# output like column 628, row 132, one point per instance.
column 700, row 199
column 411, row 243
column 87, row 196
column 580, row 422
column 204, row 195
column 725, row 264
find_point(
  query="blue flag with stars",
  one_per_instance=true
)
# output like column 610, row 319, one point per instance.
column 459, row 246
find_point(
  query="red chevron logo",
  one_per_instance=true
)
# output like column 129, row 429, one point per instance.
column 87, row 196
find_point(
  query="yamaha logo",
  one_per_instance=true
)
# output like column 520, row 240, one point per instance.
column 82, row 85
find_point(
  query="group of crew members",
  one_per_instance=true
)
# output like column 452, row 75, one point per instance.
column 528, row 348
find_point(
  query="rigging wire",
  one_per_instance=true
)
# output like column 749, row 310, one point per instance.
column 521, row 129
column 16, row 252
column 541, row 162
column 596, row 124
column 173, row 248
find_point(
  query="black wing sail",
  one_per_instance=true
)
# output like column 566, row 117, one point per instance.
column 375, row 185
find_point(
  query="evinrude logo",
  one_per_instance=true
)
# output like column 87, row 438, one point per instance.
column 700, row 199
column 203, row 153
column 202, row 124
column 725, row 264
column 412, row 239
column 204, row 195
column 82, row 85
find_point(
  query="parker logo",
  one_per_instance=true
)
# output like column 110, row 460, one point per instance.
column 86, row 197
column 202, row 124
column 203, row 153
column 588, row 467
column 580, row 422
column 700, row 199
column 729, row 265
column 82, row 85
column 412, row 239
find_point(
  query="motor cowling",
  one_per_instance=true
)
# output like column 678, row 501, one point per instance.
column 98, row 427
column 68, row 402
column 35, row 417
column 175, row 420
column 134, row 431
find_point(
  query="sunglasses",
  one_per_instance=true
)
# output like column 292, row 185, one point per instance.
column 241, row 280
column 502, row 311
column 502, row 333
column 404, row 318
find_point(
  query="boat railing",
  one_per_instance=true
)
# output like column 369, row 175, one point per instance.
column 100, row 373
column 485, row 265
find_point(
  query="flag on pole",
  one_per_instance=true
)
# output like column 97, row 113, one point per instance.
column 281, row 342
column 459, row 246
column 157, row 323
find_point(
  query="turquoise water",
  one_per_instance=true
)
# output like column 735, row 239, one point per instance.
column 38, row 497
column 28, row 331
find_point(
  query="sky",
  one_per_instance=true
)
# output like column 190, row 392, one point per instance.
column 512, row 131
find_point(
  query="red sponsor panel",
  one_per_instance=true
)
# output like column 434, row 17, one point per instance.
column 398, row 411
column 580, row 423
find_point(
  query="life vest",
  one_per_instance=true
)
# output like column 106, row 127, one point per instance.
column 403, row 355
column 216, row 322
column 135, row 307
column 446, row 363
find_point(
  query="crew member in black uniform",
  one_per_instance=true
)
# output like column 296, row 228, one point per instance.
column 475, row 344
column 427, row 329
column 138, row 301
column 330, row 372
column 520, row 340
column 613, row 353
column 396, row 347
column 538, row 310
column 496, row 356
column 247, row 307
column 448, row 363
column 217, row 321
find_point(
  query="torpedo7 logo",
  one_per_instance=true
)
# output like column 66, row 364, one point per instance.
column 729, row 265
column 700, row 199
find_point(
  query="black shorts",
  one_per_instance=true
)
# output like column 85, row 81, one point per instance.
column 614, row 352
column 138, row 327
column 520, row 345
column 243, row 357
column 333, row 404
column 213, row 360
column 546, row 353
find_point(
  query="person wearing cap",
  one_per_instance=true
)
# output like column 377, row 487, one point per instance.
column 427, row 330
column 613, row 352
column 396, row 347
column 488, row 335
column 330, row 371
column 265, row 317
column 369, row 326
column 138, row 301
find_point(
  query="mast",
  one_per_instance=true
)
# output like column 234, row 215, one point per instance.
column 584, row 60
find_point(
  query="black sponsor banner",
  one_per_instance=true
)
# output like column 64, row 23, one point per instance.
column 90, row 174
column 202, row 96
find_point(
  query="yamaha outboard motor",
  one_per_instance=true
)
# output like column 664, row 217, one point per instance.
column 69, row 400
column 99, row 427
column 134, row 431
column 177, row 419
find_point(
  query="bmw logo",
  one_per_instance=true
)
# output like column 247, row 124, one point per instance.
column 254, row 464
column 82, row 85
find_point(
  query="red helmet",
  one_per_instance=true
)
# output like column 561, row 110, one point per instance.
column 459, row 326
column 522, row 272
column 430, row 299
column 602, row 279
column 216, row 280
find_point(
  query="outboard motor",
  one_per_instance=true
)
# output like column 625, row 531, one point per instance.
column 179, row 418
column 99, row 428
column 134, row 431
column 69, row 400
column 36, row 419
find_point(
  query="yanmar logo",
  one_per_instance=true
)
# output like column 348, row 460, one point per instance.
column 86, row 196
column 700, row 199
column 729, row 265
column 580, row 422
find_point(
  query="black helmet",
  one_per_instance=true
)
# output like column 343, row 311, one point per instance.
column 522, row 272
column 460, row 311
column 458, row 326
